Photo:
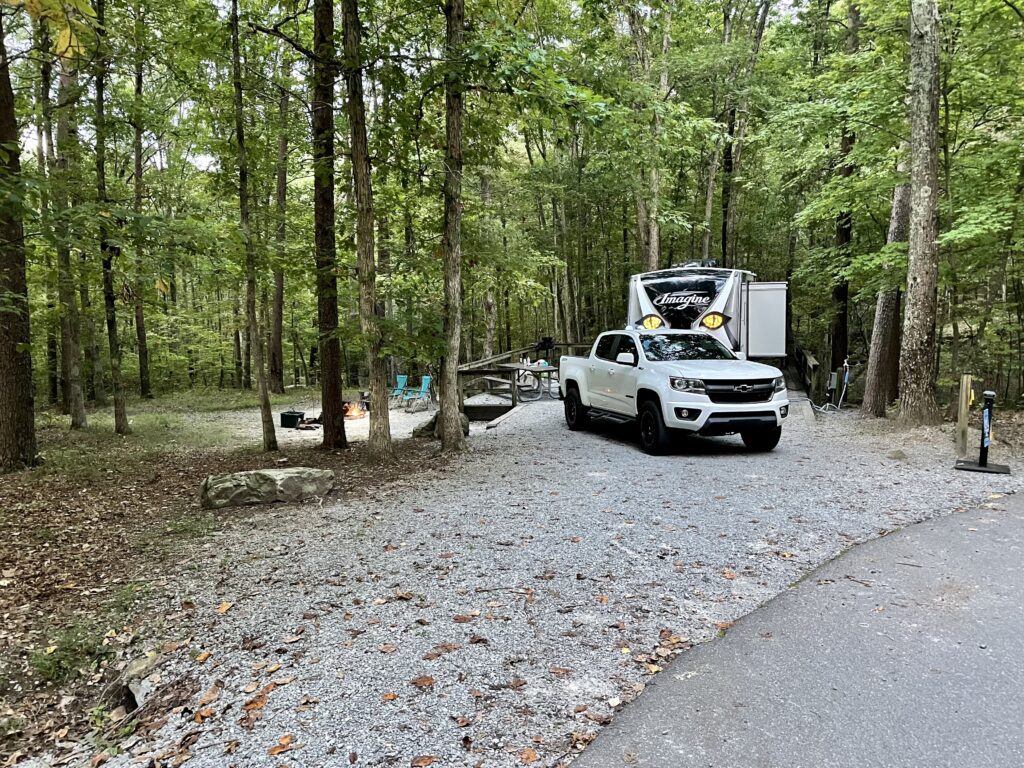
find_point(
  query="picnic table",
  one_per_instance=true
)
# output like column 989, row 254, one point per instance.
column 534, row 389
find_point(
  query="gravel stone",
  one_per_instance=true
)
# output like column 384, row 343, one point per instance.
column 525, row 579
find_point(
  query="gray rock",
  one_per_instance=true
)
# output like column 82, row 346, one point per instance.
column 264, row 486
column 897, row 455
column 431, row 428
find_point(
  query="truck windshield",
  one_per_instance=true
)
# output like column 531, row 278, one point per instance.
column 663, row 347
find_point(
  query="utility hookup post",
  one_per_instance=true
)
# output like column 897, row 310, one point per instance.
column 982, row 465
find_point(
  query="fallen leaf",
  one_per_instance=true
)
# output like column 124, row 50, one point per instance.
column 210, row 696
column 423, row 761
column 231, row 747
column 462, row 619
column 224, row 608
column 462, row 721
column 560, row 671
column 285, row 744
column 273, row 668
column 259, row 700
column 389, row 696
column 204, row 714
column 283, row 680
column 728, row 574
column 516, row 683
column 424, row 681
column 387, row 648
column 293, row 639
column 202, row 657
column 528, row 755
column 478, row 640
column 602, row 599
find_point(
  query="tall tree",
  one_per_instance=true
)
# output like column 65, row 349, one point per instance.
column 882, row 378
column 17, row 416
column 917, row 359
column 137, row 120
column 322, row 106
column 109, row 250
column 68, row 93
column 371, row 310
column 840, row 330
column 452, row 437
column 281, row 233
column 252, row 324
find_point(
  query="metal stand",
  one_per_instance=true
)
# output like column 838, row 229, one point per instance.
column 982, row 465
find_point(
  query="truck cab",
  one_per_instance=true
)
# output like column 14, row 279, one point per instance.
column 674, row 381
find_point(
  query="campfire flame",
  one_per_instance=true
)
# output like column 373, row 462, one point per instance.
column 353, row 411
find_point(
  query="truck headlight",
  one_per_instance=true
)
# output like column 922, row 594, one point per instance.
column 780, row 383
column 687, row 385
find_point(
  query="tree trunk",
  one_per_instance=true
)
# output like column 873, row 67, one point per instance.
column 840, row 328
column 371, row 311
column 44, row 157
column 917, row 359
column 883, row 361
column 70, row 322
column 277, row 313
column 145, row 389
column 452, row 438
column 108, row 249
column 17, row 414
column 322, row 107
column 266, row 415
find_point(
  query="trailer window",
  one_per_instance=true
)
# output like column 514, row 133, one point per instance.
column 663, row 347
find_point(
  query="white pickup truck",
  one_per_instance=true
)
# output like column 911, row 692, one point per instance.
column 671, row 380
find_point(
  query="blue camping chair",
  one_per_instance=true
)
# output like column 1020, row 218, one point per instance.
column 401, row 384
column 418, row 397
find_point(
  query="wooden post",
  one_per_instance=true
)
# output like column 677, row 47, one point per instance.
column 963, row 408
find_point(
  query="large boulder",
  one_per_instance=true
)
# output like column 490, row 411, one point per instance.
column 432, row 428
column 264, row 486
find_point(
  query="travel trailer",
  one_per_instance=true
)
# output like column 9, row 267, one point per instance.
column 748, row 317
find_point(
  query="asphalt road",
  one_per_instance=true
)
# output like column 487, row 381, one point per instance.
column 905, row 651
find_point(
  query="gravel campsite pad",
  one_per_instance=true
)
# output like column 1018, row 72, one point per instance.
column 498, row 611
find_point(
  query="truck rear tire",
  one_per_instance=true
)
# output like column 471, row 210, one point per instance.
column 762, row 440
column 654, row 435
column 577, row 415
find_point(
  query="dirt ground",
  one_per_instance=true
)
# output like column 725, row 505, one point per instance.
column 87, row 539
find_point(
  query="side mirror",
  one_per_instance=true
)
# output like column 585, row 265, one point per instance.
column 626, row 358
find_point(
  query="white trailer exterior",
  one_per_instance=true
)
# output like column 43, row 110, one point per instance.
column 746, row 316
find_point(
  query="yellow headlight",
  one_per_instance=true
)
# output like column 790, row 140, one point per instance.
column 713, row 321
column 652, row 322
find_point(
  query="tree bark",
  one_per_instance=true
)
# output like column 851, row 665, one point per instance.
column 281, row 237
column 322, row 108
column 145, row 389
column 266, row 415
column 452, row 437
column 882, row 376
column 371, row 310
column 108, row 249
column 840, row 328
column 70, row 320
column 917, row 359
column 17, row 413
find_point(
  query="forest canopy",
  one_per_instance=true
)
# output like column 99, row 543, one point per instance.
column 268, row 194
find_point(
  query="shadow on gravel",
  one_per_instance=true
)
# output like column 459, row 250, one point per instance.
column 683, row 445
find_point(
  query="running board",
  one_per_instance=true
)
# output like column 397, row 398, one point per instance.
column 618, row 418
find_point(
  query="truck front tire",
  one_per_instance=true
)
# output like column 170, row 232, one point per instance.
column 577, row 415
column 762, row 440
column 654, row 435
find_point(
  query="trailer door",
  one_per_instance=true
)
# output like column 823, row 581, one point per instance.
column 766, row 320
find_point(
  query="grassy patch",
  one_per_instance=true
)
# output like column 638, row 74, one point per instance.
column 76, row 648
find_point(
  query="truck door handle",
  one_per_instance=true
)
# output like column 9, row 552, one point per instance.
column 611, row 373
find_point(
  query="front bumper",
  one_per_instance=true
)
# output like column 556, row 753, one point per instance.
column 696, row 413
